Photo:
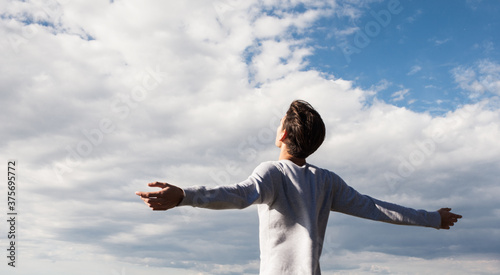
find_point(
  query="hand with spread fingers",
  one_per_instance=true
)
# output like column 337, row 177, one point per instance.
column 447, row 218
column 168, row 197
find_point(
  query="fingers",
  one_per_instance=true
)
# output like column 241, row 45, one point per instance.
column 456, row 216
column 164, row 199
column 158, row 184
column 148, row 194
column 446, row 225
column 451, row 222
column 448, row 218
column 152, row 194
column 157, row 204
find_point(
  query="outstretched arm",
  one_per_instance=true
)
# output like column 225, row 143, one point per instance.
column 447, row 218
column 349, row 201
column 255, row 189
column 168, row 197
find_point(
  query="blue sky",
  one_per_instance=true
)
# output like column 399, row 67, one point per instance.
column 416, row 50
column 101, row 97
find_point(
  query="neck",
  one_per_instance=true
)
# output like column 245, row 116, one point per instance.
column 284, row 155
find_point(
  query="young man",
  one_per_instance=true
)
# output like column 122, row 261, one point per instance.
column 294, row 199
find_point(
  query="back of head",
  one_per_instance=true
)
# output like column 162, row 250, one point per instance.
column 305, row 129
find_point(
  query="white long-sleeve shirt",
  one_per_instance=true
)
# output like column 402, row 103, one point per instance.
column 294, row 203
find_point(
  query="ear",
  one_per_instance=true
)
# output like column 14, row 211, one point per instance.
column 283, row 135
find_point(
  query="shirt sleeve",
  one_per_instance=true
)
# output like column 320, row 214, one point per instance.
column 258, row 188
column 348, row 201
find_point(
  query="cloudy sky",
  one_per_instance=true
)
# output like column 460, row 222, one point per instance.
column 98, row 98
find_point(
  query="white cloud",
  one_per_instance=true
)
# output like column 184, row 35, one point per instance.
column 277, row 59
column 486, row 46
column 439, row 42
column 483, row 77
column 380, row 86
column 400, row 95
column 173, row 82
column 415, row 69
column 415, row 16
column 351, row 9
column 270, row 26
column 377, row 263
column 346, row 32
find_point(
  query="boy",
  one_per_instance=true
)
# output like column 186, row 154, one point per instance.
column 294, row 199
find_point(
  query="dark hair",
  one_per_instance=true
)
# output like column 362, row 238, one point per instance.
column 305, row 129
